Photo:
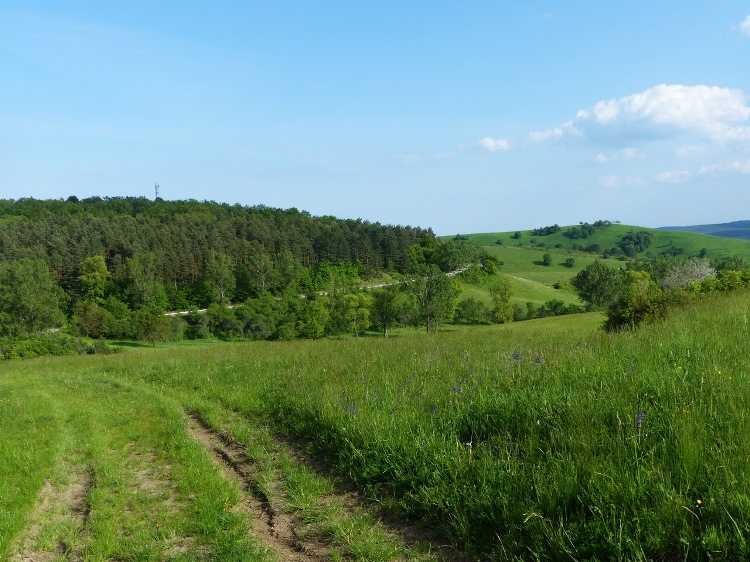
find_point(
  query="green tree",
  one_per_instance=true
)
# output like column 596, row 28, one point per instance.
column 223, row 323
column 598, row 285
column 92, row 277
column 120, row 319
column 261, row 270
column 434, row 295
column 471, row 311
column 143, row 284
column 29, row 298
column 640, row 299
column 152, row 325
column 316, row 315
column 357, row 313
column 220, row 279
column 385, row 307
column 501, row 292
column 90, row 319
column 547, row 259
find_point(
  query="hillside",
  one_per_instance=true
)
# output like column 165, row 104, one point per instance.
column 176, row 246
column 546, row 437
column 736, row 229
column 679, row 243
column 522, row 255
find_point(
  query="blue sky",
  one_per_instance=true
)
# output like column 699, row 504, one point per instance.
column 472, row 116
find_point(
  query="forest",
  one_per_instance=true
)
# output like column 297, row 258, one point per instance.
column 113, row 267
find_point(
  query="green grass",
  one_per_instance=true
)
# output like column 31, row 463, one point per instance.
column 534, row 282
column 516, row 441
column 152, row 489
column 663, row 240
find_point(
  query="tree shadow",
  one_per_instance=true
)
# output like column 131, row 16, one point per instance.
column 130, row 344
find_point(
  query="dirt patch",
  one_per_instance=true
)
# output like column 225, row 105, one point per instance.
column 276, row 529
column 59, row 517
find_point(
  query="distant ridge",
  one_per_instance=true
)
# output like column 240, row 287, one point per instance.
column 736, row 229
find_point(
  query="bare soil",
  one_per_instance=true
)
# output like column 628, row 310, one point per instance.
column 276, row 529
column 62, row 506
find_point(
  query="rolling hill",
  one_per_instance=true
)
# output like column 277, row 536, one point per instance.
column 522, row 254
column 736, row 229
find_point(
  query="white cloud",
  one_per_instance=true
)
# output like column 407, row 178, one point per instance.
column 494, row 145
column 567, row 129
column 745, row 26
column 720, row 114
column 687, row 151
column 621, row 181
column 674, row 176
column 735, row 166
column 629, row 153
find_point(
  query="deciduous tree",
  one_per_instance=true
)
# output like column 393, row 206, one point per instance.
column 434, row 295
column 29, row 298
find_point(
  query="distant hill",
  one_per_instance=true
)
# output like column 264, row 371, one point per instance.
column 605, row 238
column 736, row 229
column 572, row 248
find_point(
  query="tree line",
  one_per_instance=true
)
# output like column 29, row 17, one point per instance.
column 112, row 267
column 646, row 289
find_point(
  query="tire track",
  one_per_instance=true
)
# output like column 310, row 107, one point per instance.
column 277, row 529
column 62, row 507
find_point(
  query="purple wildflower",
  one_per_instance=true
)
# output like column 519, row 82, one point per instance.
column 639, row 421
column 517, row 356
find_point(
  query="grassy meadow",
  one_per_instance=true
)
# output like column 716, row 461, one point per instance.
column 535, row 283
column 690, row 243
column 546, row 439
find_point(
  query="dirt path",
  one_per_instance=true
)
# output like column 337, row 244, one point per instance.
column 275, row 528
column 286, row 534
column 63, row 506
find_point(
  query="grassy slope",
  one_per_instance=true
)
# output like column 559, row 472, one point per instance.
column 557, row 466
column 663, row 240
column 534, row 282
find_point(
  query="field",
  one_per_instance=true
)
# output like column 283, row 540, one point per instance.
column 547, row 439
column 535, row 283
column 689, row 243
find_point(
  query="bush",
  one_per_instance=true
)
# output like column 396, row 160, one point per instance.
column 197, row 326
column 50, row 344
column 641, row 299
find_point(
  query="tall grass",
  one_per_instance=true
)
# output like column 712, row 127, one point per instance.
column 519, row 442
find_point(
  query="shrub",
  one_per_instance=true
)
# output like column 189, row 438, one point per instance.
column 641, row 299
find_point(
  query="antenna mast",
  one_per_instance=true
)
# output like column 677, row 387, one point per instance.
column 156, row 189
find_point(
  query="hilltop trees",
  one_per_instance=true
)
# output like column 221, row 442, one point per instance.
column 172, row 243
